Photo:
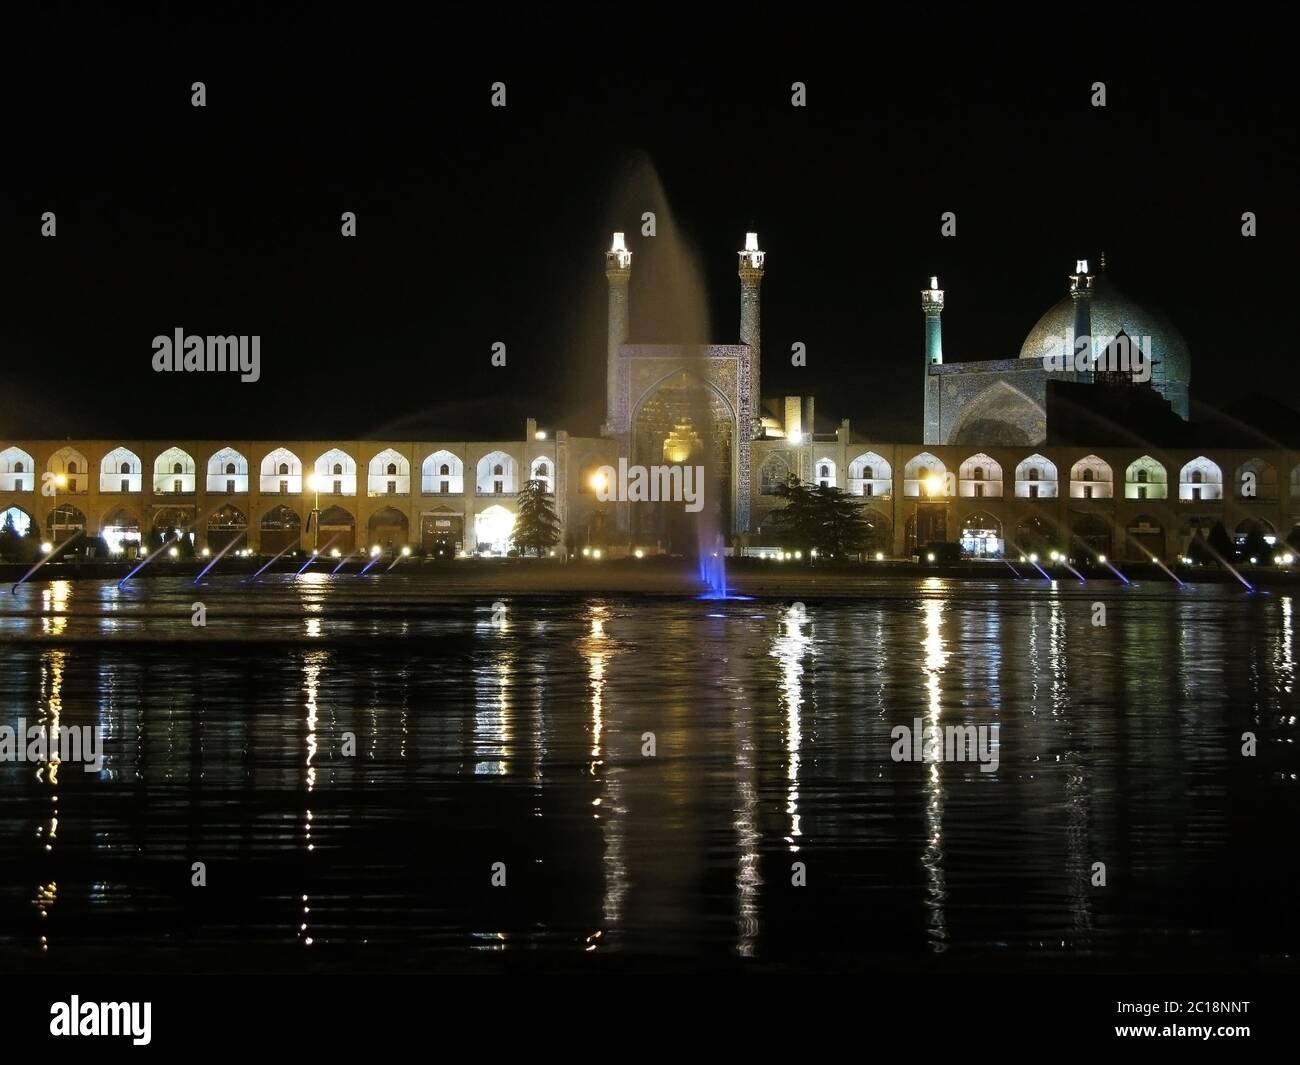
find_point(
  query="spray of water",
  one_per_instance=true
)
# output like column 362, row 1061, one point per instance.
column 686, row 421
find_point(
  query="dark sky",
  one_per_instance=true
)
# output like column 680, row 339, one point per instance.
column 479, row 224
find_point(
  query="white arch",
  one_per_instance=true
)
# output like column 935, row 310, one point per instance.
column 72, row 464
column 390, row 474
column 435, row 482
column 222, row 477
column 496, row 474
column 920, row 473
column 980, row 476
column 281, row 473
column 1036, row 478
column 121, row 471
column 1200, row 479
column 336, row 473
column 1090, row 478
column 824, row 472
column 68, row 460
column 870, row 475
column 173, row 472
column 17, row 471
column 543, row 469
column 1145, row 478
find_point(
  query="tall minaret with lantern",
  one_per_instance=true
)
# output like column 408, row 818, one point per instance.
column 618, row 270
column 932, row 306
column 751, row 280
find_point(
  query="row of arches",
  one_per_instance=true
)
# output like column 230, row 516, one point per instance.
column 1085, row 535
column 925, row 475
column 279, row 472
column 281, row 527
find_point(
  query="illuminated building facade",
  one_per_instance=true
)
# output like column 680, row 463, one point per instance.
column 987, row 472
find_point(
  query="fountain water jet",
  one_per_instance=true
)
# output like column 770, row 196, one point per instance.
column 233, row 540
column 688, row 419
column 47, row 558
column 283, row 551
column 316, row 554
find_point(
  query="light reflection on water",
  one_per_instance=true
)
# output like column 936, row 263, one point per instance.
column 520, row 736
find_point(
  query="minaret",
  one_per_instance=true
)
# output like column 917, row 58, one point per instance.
column 1081, row 294
column 618, row 269
column 751, row 279
column 932, row 305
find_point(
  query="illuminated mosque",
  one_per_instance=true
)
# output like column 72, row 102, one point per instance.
column 1012, row 458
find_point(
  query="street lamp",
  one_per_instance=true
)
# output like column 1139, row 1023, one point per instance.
column 59, row 480
column 313, row 482
column 931, row 483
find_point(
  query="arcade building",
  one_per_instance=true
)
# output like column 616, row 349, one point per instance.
column 1012, row 457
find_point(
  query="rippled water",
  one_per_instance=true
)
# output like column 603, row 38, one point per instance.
column 485, row 735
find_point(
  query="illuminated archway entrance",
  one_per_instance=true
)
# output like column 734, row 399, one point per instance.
column 492, row 530
column 121, row 531
column 685, row 422
column 981, row 536
column 18, row 539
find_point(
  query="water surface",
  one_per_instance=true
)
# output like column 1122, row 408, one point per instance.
column 495, row 730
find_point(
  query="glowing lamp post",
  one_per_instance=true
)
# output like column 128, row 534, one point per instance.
column 313, row 482
column 933, row 485
column 599, row 482
column 57, row 481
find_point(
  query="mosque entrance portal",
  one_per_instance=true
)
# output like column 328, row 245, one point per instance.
column 684, row 423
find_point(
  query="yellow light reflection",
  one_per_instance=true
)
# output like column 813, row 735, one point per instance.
column 494, row 709
column 790, row 647
column 54, row 604
column 607, row 806
column 49, row 712
column 936, row 657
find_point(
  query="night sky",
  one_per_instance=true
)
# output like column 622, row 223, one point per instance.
column 479, row 224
